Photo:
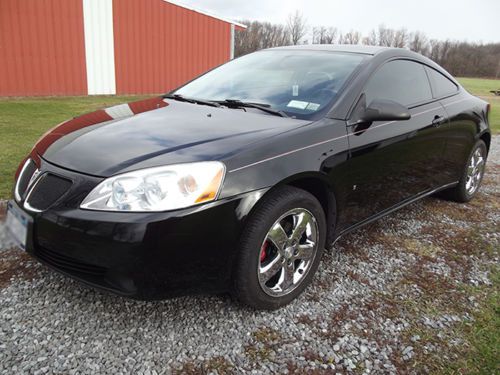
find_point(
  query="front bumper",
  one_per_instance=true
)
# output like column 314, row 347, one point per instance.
column 142, row 255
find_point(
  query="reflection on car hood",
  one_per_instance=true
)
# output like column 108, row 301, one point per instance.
column 154, row 132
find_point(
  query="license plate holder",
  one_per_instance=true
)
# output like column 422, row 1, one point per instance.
column 17, row 224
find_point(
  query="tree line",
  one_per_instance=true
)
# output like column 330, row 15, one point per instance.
column 460, row 58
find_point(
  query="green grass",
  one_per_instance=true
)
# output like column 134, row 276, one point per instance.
column 482, row 87
column 485, row 333
column 24, row 120
column 483, row 336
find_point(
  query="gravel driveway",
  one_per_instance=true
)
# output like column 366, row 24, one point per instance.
column 391, row 302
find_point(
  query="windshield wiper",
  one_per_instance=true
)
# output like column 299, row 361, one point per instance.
column 235, row 103
column 181, row 98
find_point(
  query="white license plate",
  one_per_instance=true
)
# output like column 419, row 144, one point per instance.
column 17, row 225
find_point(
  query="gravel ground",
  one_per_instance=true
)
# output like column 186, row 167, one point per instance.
column 391, row 302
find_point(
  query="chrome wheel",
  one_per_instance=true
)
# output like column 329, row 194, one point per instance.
column 475, row 171
column 288, row 252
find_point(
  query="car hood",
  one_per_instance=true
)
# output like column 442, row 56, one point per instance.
column 155, row 132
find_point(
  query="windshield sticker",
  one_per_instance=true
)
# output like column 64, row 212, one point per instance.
column 313, row 106
column 297, row 104
column 295, row 90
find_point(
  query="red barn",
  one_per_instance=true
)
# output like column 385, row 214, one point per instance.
column 80, row 47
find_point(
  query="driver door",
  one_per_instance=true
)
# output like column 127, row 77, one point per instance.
column 392, row 162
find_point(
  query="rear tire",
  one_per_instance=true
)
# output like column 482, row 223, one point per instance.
column 280, row 249
column 472, row 175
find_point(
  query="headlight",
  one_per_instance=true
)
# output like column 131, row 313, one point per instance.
column 158, row 189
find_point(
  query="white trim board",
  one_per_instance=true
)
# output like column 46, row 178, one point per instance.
column 99, row 46
column 231, row 43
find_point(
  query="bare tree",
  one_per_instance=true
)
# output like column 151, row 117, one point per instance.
column 331, row 35
column 418, row 42
column 444, row 48
column 319, row 35
column 352, row 37
column 459, row 58
column 400, row 39
column 260, row 35
column 323, row 35
column 297, row 27
column 385, row 36
column 371, row 39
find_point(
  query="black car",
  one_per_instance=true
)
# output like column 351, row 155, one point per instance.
column 237, row 181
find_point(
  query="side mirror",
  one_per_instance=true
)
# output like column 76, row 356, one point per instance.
column 385, row 110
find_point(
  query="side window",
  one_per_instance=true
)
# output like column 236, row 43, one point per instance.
column 402, row 81
column 441, row 86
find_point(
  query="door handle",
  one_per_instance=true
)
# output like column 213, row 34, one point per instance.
column 438, row 121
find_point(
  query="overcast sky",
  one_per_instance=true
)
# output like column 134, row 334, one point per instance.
column 472, row 20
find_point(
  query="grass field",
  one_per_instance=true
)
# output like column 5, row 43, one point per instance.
column 24, row 120
column 482, row 88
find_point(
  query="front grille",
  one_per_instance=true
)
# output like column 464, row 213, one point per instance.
column 47, row 190
column 24, row 179
column 67, row 264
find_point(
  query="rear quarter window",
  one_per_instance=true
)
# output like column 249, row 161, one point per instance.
column 441, row 85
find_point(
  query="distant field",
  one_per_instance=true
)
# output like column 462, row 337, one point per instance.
column 482, row 87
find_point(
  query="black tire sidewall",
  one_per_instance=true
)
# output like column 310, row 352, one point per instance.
column 247, row 287
column 464, row 196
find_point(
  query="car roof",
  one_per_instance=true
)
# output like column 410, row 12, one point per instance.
column 351, row 48
column 379, row 52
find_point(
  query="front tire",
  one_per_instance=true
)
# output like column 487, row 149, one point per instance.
column 472, row 175
column 280, row 249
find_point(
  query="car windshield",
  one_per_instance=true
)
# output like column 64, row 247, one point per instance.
column 302, row 84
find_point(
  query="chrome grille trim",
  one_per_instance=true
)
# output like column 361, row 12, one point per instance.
column 17, row 194
column 33, row 178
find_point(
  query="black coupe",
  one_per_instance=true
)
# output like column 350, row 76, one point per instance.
column 237, row 181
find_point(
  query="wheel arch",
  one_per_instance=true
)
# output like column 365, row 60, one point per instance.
column 486, row 137
column 318, row 185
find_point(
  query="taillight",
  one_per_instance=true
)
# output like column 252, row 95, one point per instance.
column 488, row 107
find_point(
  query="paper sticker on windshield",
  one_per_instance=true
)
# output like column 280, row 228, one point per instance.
column 297, row 104
column 295, row 90
column 313, row 106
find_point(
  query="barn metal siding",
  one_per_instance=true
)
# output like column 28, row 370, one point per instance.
column 159, row 45
column 42, row 48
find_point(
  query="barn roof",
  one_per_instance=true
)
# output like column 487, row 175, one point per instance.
column 209, row 14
